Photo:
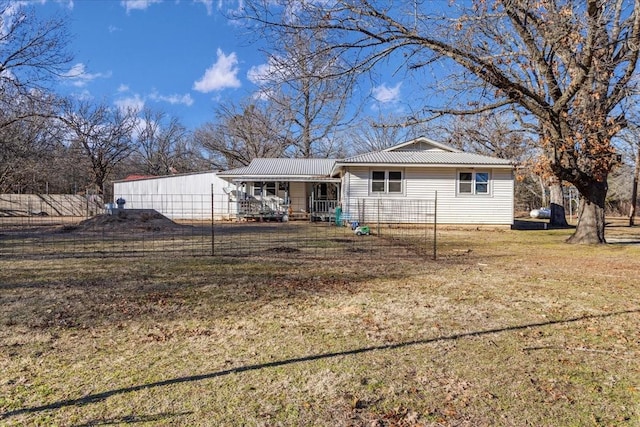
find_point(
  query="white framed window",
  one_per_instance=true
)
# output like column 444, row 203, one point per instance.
column 386, row 182
column 474, row 182
column 269, row 188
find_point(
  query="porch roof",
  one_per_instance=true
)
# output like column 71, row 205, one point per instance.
column 275, row 169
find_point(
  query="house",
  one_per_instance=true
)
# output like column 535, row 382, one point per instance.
column 299, row 188
column 402, row 183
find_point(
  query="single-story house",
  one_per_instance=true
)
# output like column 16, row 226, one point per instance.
column 389, row 184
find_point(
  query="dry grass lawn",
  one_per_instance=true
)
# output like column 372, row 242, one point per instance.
column 506, row 328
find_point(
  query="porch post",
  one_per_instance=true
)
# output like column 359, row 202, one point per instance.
column 311, row 203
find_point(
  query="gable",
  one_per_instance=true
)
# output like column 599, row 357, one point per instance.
column 421, row 144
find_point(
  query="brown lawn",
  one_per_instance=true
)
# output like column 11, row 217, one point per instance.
column 506, row 328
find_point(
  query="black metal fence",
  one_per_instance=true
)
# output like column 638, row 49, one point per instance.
column 209, row 225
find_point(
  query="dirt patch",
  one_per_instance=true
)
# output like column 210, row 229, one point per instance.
column 284, row 250
column 342, row 240
column 128, row 219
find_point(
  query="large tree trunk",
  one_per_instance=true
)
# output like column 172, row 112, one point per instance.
column 634, row 190
column 591, row 223
column 543, row 191
column 556, row 196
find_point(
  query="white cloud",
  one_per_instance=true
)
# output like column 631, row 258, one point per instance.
column 134, row 102
column 185, row 99
column 221, row 75
column 83, row 95
column 130, row 5
column 277, row 68
column 261, row 74
column 79, row 77
column 123, row 88
column 387, row 95
column 208, row 4
column 229, row 7
column 68, row 2
column 112, row 29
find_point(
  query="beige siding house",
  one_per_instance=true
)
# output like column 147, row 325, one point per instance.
column 389, row 184
column 470, row 188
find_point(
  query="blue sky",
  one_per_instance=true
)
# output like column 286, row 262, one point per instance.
column 183, row 57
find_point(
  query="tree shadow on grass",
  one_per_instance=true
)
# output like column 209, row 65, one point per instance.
column 133, row 419
column 97, row 397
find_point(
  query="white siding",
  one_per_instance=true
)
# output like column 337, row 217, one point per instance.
column 179, row 196
column 423, row 183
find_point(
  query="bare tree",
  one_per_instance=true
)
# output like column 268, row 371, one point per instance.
column 384, row 131
column 569, row 65
column 33, row 53
column 162, row 144
column 25, row 145
column 307, row 84
column 243, row 132
column 103, row 135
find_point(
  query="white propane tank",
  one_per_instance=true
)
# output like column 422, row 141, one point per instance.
column 542, row 213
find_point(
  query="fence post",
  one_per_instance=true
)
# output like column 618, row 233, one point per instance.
column 213, row 211
column 378, row 225
column 435, row 227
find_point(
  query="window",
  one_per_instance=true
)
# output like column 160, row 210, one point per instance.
column 389, row 182
column 269, row 188
column 482, row 182
column 377, row 181
column 395, row 182
column 473, row 182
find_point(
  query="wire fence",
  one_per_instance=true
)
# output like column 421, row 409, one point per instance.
column 216, row 225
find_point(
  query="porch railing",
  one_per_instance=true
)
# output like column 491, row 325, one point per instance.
column 323, row 206
column 323, row 210
column 264, row 207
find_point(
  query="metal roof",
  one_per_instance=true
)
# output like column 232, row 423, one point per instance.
column 426, row 158
column 283, row 168
column 274, row 169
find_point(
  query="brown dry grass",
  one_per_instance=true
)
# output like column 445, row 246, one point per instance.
column 507, row 328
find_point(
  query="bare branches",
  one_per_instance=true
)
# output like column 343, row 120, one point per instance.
column 104, row 135
column 568, row 65
column 33, row 53
column 243, row 132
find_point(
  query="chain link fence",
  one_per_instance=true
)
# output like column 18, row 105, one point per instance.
column 214, row 225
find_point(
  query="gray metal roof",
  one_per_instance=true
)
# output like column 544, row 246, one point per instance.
column 429, row 158
column 284, row 168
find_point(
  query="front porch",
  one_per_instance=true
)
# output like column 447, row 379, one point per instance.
column 287, row 201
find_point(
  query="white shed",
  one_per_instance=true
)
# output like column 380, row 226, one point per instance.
column 185, row 196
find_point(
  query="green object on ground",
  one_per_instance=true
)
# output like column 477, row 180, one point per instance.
column 363, row 230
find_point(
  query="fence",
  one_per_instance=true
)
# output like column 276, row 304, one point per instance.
column 205, row 225
column 380, row 228
column 45, row 205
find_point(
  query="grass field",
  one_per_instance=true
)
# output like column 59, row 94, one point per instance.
column 506, row 328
